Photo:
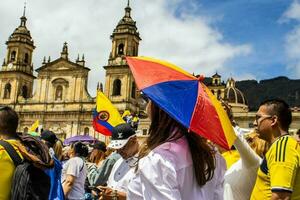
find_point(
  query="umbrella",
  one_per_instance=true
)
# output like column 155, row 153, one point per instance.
column 82, row 138
column 184, row 97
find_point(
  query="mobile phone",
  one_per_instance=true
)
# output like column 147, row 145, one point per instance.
column 94, row 188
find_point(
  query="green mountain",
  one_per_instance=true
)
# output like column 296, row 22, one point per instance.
column 279, row 87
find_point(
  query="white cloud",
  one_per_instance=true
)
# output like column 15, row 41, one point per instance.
column 188, row 41
column 293, row 12
column 293, row 50
column 292, row 40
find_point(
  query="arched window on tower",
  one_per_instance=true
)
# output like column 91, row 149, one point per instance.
column 133, row 90
column 212, row 91
column 121, row 49
column 86, row 131
column 58, row 93
column 25, row 130
column 116, row 87
column 216, row 82
column 7, row 90
column 13, row 56
column 24, row 92
column 133, row 51
column 26, row 58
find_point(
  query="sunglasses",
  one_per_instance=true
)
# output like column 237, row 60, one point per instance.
column 257, row 117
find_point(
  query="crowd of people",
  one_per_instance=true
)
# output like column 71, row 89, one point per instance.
column 131, row 118
column 173, row 163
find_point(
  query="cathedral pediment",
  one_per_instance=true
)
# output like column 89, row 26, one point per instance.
column 61, row 64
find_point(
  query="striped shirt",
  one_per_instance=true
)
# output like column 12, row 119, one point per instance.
column 280, row 170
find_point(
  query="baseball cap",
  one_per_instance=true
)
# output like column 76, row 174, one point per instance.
column 120, row 136
column 99, row 145
column 49, row 136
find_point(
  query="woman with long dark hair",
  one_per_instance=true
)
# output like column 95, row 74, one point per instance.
column 176, row 164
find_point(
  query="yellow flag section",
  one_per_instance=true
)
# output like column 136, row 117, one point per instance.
column 106, row 116
column 126, row 113
column 34, row 126
column 223, row 118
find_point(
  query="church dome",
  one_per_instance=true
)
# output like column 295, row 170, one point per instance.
column 234, row 95
column 126, row 24
column 21, row 34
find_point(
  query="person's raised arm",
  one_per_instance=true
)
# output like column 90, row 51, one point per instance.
column 248, row 155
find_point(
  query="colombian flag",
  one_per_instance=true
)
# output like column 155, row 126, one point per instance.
column 34, row 126
column 184, row 97
column 105, row 116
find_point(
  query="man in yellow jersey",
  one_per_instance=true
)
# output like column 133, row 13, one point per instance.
column 279, row 174
column 8, row 127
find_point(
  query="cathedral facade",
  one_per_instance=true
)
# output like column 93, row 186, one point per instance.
column 60, row 100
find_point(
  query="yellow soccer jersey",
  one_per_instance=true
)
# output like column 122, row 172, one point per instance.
column 7, row 169
column 280, row 170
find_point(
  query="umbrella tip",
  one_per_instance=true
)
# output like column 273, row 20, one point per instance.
column 201, row 78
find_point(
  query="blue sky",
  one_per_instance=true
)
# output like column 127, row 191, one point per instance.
column 243, row 39
column 258, row 23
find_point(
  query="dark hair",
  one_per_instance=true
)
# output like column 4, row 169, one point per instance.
column 49, row 137
column 202, row 153
column 281, row 109
column 80, row 149
column 9, row 121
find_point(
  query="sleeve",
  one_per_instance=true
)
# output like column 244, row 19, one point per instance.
column 283, row 164
column 248, row 155
column 103, row 172
column 74, row 167
column 158, row 179
column 228, row 194
column 91, row 173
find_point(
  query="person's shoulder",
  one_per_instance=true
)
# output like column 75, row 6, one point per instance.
column 175, row 153
column 285, row 141
column 13, row 142
column 2, row 151
column 173, row 147
column 283, row 148
column 114, row 156
column 156, row 162
column 75, row 160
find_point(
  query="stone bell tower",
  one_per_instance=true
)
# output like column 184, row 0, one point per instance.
column 120, row 87
column 16, row 75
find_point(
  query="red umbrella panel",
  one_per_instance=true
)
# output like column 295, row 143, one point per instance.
column 184, row 97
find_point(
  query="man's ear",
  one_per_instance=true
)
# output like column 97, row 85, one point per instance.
column 274, row 120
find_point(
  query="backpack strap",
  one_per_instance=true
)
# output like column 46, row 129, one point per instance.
column 11, row 152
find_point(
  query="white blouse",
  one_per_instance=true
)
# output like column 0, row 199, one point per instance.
column 121, row 173
column 240, row 177
column 167, row 173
